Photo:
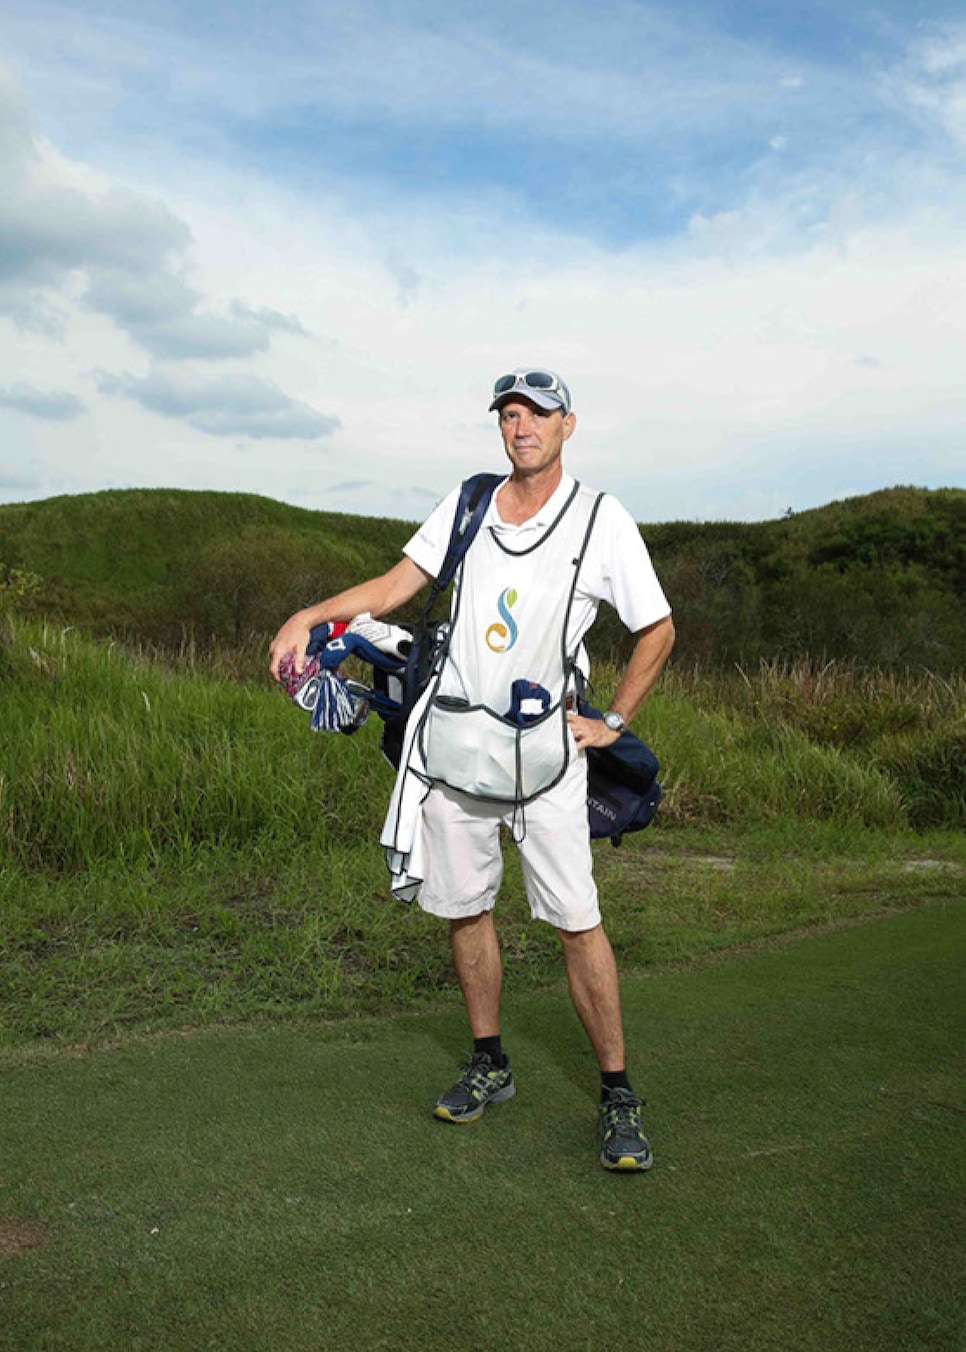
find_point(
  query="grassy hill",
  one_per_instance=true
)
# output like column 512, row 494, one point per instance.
column 879, row 579
column 156, row 563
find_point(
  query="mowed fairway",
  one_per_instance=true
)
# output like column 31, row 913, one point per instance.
column 288, row 1189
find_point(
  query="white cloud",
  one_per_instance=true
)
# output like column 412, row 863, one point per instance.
column 160, row 312
column 67, row 230
column 55, row 220
column 52, row 405
column 222, row 405
column 932, row 79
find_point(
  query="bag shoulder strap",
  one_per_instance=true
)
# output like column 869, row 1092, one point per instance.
column 474, row 499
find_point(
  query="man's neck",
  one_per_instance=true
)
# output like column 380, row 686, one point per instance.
column 522, row 496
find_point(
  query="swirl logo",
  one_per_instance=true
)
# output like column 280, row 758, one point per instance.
column 500, row 638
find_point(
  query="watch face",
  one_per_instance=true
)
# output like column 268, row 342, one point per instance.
column 614, row 721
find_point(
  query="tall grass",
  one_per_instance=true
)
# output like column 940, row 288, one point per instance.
column 908, row 730
column 721, row 768
column 107, row 756
column 177, row 847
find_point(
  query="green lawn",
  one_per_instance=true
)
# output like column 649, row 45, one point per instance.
column 286, row 1188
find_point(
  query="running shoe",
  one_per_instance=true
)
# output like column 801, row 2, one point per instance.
column 480, row 1082
column 625, row 1146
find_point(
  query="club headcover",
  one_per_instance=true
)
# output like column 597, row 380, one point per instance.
column 348, row 644
column 321, row 634
column 391, row 639
column 335, row 708
column 528, row 702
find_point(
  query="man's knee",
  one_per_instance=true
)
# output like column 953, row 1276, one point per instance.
column 478, row 923
column 581, row 938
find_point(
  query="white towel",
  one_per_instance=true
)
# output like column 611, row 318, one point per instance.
column 402, row 832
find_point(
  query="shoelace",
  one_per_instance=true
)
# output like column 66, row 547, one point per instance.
column 473, row 1077
column 623, row 1117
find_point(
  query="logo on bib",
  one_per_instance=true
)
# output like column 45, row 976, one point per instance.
column 500, row 638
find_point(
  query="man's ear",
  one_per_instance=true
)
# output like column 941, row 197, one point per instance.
column 569, row 423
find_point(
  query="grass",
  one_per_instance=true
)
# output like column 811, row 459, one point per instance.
column 107, row 758
column 211, row 1140
column 177, row 850
column 907, row 730
column 96, row 956
column 283, row 1188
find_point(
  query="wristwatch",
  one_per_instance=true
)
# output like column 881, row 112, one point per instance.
column 614, row 721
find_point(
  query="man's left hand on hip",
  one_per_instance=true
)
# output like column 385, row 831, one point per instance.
column 591, row 732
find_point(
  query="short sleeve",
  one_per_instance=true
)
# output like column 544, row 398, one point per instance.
column 618, row 569
column 427, row 548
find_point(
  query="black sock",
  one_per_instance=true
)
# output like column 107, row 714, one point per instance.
column 613, row 1079
column 493, row 1047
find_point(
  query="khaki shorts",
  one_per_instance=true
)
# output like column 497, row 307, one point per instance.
column 464, row 862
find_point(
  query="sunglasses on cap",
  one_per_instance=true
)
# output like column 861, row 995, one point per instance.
column 540, row 382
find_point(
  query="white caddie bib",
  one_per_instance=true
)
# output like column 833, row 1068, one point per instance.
column 509, row 623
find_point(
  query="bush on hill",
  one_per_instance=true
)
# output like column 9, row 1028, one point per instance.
column 879, row 580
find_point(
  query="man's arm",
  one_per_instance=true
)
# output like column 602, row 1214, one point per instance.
column 651, row 651
column 377, row 596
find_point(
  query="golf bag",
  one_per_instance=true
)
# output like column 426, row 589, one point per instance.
column 623, row 794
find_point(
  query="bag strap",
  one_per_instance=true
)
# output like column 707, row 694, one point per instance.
column 474, row 499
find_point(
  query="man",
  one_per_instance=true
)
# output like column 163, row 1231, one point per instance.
column 547, row 552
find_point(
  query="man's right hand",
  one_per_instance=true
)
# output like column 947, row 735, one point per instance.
column 293, row 637
column 375, row 598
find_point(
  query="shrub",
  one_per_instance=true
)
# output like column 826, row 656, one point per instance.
column 931, row 776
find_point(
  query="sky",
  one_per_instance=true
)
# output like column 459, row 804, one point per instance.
column 286, row 250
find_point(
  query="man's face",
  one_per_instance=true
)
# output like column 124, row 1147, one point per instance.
column 533, row 437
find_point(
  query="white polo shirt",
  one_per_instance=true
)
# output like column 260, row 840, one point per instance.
column 616, row 568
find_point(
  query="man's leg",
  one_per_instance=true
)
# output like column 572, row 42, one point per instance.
column 476, row 954
column 461, row 840
column 594, row 989
column 486, row 1077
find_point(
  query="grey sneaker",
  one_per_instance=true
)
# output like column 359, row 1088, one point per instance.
column 480, row 1083
column 619, row 1124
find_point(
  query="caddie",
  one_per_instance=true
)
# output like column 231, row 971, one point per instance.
column 497, row 739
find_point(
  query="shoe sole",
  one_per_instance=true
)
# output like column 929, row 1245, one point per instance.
column 627, row 1164
column 501, row 1096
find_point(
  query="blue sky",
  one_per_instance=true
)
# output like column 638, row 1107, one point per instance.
column 286, row 250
